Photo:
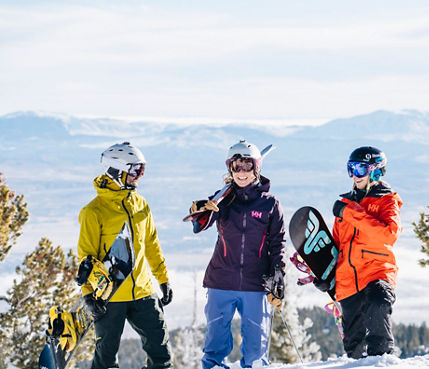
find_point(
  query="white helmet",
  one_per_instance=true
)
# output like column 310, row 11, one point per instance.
column 244, row 149
column 118, row 160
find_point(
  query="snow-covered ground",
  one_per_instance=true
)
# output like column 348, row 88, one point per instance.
column 346, row 363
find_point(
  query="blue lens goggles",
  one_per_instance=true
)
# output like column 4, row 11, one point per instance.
column 358, row 169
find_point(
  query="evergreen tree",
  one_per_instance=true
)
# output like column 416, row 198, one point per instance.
column 45, row 279
column 323, row 331
column 421, row 229
column 187, row 346
column 281, row 346
column 13, row 215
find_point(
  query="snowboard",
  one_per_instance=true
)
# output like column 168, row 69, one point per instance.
column 314, row 243
column 119, row 261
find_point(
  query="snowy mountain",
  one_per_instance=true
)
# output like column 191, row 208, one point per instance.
column 52, row 160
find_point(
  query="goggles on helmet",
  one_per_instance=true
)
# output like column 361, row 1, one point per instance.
column 242, row 164
column 136, row 170
column 359, row 169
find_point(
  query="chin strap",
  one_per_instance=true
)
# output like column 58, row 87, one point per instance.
column 119, row 177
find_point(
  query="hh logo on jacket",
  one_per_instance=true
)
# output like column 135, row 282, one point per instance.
column 257, row 214
column 373, row 208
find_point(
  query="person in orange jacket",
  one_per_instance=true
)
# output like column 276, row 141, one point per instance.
column 367, row 224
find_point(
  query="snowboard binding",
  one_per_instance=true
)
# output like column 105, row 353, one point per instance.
column 67, row 327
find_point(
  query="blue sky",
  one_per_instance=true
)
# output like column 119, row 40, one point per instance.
column 282, row 61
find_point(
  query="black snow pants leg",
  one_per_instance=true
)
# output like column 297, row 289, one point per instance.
column 108, row 331
column 379, row 300
column 367, row 320
column 146, row 317
column 353, row 325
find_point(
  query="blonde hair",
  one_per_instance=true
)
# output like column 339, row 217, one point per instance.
column 368, row 187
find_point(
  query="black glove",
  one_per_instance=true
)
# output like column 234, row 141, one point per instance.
column 167, row 293
column 279, row 283
column 97, row 308
column 339, row 208
column 321, row 285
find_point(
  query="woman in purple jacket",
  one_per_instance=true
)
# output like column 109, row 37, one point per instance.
column 250, row 244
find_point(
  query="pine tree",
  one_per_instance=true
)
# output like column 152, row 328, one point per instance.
column 45, row 279
column 281, row 345
column 421, row 229
column 13, row 215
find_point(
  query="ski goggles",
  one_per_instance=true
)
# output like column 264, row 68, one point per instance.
column 359, row 169
column 242, row 164
column 300, row 263
column 136, row 170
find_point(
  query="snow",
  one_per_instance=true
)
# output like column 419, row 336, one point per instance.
column 389, row 361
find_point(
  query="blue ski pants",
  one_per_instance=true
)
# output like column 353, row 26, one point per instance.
column 254, row 310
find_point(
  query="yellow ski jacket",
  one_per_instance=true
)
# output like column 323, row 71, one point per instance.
column 101, row 221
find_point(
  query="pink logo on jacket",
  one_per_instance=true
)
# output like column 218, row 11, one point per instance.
column 257, row 214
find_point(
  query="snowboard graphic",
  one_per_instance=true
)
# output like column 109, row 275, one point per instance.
column 57, row 352
column 314, row 243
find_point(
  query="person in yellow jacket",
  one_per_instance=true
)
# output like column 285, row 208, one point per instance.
column 135, row 301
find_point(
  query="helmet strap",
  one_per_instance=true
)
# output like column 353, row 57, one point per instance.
column 116, row 176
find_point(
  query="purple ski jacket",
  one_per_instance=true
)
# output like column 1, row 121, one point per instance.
column 251, row 239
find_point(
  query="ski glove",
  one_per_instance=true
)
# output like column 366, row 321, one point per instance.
column 167, row 293
column 97, row 308
column 339, row 208
column 276, row 294
column 203, row 205
column 321, row 285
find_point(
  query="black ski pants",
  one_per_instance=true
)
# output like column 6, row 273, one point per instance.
column 146, row 317
column 367, row 320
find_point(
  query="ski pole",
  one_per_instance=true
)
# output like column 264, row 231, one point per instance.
column 291, row 338
column 271, row 329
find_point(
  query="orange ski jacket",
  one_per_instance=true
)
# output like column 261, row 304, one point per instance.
column 365, row 237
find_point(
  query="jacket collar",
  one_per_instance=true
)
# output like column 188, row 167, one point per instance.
column 253, row 190
column 106, row 188
column 379, row 190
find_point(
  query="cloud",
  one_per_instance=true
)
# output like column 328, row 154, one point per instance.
column 132, row 59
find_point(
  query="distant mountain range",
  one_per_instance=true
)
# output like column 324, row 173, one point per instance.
column 52, row 160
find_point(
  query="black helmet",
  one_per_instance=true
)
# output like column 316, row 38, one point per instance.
column 373, row 157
